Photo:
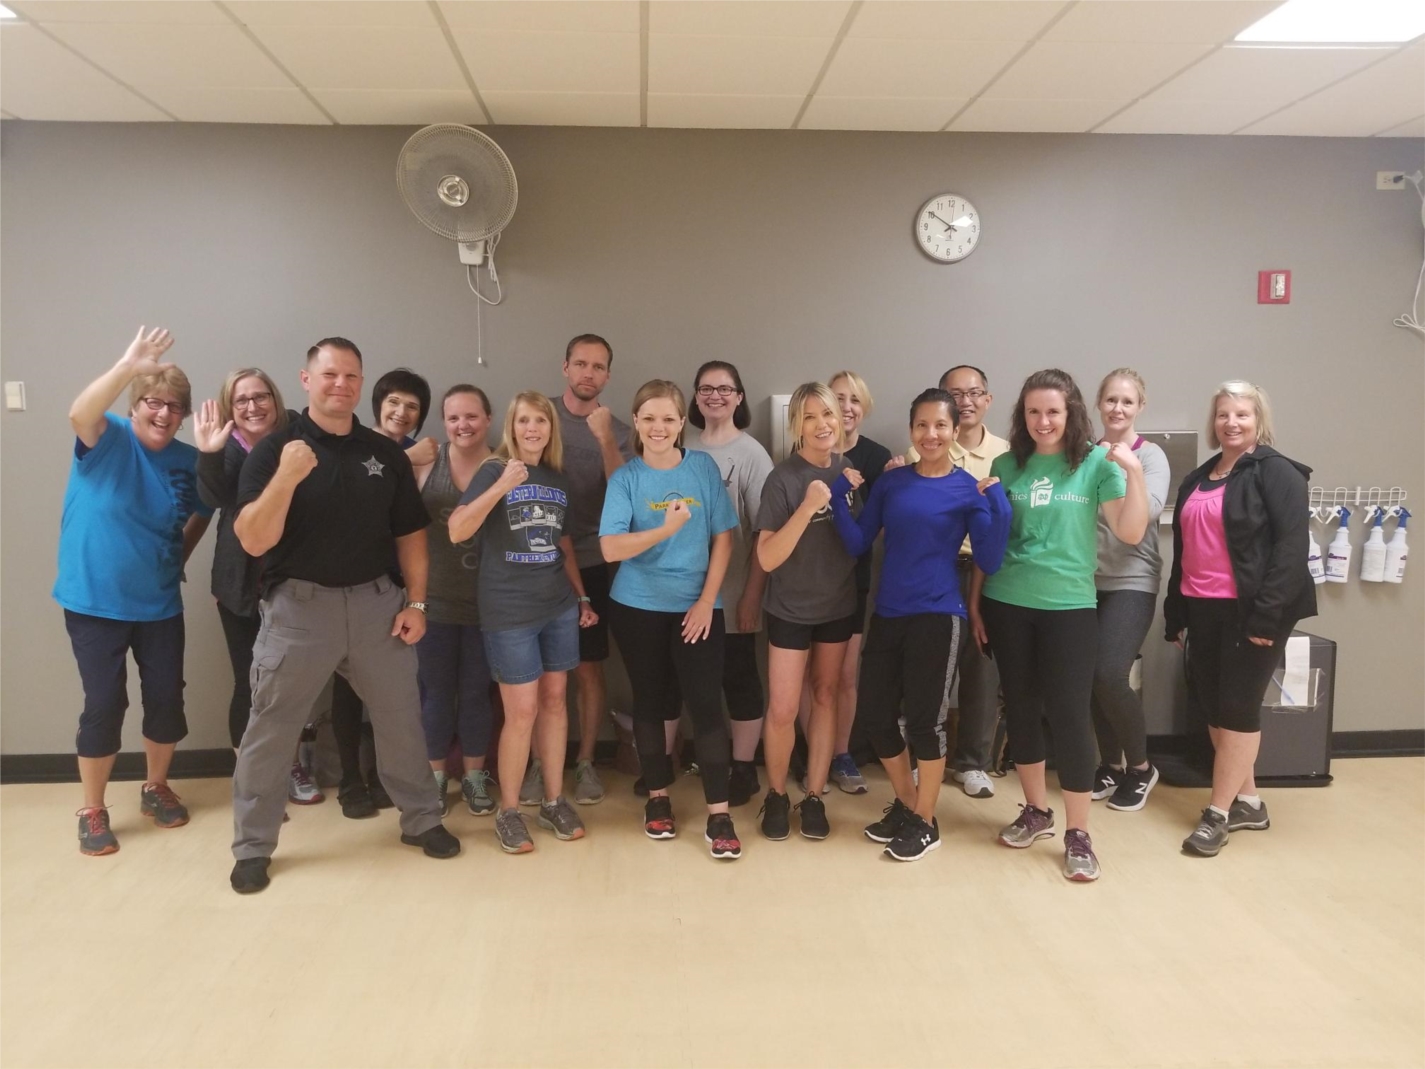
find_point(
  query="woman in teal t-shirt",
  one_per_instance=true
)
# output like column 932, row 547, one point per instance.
column 1038, row 613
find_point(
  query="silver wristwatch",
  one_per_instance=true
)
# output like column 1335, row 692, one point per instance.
column 421, row 605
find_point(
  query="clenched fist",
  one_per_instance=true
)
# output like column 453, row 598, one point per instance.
column 1124, row 457
column 818, row 496
column 297, row 461
column 514, row 474
column 676, row 515
column 423, row 452
column 601, row 423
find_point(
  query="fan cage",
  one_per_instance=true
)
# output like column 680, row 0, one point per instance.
column 452, row 149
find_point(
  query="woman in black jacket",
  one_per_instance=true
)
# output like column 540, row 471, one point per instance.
column 1239, row 585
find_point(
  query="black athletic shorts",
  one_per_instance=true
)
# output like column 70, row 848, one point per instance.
column 786, row 635
column 594, row 641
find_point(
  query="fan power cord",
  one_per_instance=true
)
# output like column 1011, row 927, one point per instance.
column 470, row 270
column 1411, row 320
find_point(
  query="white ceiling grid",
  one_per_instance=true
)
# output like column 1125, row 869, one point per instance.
column 1108, row 66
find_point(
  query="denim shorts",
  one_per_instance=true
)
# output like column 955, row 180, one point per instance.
column 523, row 654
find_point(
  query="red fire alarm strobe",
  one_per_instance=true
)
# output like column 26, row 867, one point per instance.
column 1274, row 287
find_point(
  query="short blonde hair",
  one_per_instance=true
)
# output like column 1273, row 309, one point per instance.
column 651, row 390
column 225, row 395
column 796, row 411
column 1123, row 373
column 171, row 379
column 1242, row 390
column 858, row 386
column 553, row 456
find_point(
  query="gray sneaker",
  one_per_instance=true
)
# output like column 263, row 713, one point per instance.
column 1209, row 837
column 588, row 788
column 846, row 775
column 1028, row 828
column 532, row 789
column 1080, row 864
column 513, row 835
column 301, row 790
column 559, row 817
column 1242, row 817
column 475, row 786
column 441, row 779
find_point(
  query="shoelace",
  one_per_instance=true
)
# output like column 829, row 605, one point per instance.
column 95, row 816
column 1077, row 844
column 299, row 774
column 1027, row 813
column 477, row 778
column 164, row 794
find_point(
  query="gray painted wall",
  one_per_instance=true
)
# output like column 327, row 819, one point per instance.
column 789, row 253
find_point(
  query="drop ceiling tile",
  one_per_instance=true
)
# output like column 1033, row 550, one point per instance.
column 748, row 18
column 1057, row 115
column 173, row 55
column 1376, row 98
column 878, row 113
column 690, row 111
column 565, row 16
column 394, row 107
column 754, row 66
column 1154, row 115
column 1269, row 76
column 197, row 12
column 1414, row 128
column 563, row 109
column 193, row 104
column 365, row 57
column 1092, row 70
column 1158, row 21
column 551, row 62
column 41, row 79
column 873, row 67
column 331, row 13
column 953, row 20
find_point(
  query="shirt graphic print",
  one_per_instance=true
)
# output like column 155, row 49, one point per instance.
column 537, row 512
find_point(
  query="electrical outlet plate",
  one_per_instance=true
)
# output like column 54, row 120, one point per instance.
column 1390, row 179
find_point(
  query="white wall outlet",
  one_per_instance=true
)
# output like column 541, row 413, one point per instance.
column 15, row 396
column 1390, row 179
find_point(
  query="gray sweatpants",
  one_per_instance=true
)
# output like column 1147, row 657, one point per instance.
column 979, row 696
column 308, row 632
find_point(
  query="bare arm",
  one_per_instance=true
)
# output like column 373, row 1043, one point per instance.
column 467, row 519
column 601, row 426
column 260, row 524
column 750, row 606
column 623, row 546
column 413, row 557
column 571, row 566
column 774, row 547
column 1128, row 516
column 86, row 415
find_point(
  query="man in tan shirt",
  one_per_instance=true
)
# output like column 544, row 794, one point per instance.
column 974, row 449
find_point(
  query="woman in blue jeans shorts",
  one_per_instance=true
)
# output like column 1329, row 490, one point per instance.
column 454, row 672
column 532, row 604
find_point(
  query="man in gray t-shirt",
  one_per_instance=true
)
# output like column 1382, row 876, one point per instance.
column 596, row 443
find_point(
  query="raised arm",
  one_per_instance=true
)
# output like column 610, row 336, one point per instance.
column 468, row 518
column 989, row 529
column 86, row 415
column 857, row 532
column 774, row 547
column 260, row 524
column 601, row 426
column 617, row 547
column 1127, row 516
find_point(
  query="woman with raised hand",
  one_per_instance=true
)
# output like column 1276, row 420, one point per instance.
column 721, row 414
column 454, row 672
column 131, row 518
column 910, row 659
column 1238, row 586
column 810, row 604
column 249, row 408
column 1039, row 612
column 669, row 520
column 1127, row 582
column 532, row 604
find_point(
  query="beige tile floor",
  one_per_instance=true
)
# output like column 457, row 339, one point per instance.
column 1301, row 946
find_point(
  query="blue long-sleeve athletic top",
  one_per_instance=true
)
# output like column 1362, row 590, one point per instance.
column 925, row 520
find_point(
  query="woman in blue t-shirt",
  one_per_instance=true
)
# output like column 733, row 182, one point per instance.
column 668, row 518
column 131, row 518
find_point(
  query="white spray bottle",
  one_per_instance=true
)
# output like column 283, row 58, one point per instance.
column 1395, row 551
column 1373, row 552
column 1314, row 563
column 1338, row 553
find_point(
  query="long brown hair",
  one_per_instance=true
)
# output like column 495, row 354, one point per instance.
column 1078, row 431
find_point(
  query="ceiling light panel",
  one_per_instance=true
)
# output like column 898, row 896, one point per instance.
column 1136, row 21
column 1378, row 97
column 1340, row 22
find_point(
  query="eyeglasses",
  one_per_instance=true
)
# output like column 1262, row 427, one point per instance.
column 257, row 400
column 155, row 404
column 721, row 391
column 966, row 395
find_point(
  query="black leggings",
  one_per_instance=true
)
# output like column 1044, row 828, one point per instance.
column 240, row 633
column 908, row 666
column 1227, row 675
column 741, row 678
column 655, row 655
column 1046, row 665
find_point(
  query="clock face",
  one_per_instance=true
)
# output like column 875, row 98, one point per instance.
column 948, row 228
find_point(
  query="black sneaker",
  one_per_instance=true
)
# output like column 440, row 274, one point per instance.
column 1106, row 781
column 158, row 801
column 95, row 838
column 893, row 819
column 1242, row 816
column 812, row 810
column 658, row 820
column 250, row 875
column 1132, row 792
column 742, row 785
column 776, row 815
column 1209, row 837
column 916, row 839
column 722, row 838
column 379, row 798
column 355, row 801
column 436, row 842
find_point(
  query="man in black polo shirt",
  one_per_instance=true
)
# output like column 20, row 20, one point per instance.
column 333, row 510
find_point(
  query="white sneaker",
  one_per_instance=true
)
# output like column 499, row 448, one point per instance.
column 975, row 783
column 301, row 790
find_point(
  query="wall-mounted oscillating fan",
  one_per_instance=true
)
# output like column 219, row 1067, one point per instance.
column 461, row 185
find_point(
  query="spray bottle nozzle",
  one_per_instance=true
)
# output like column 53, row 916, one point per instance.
column 1404, row 515
column 1380, row 516
column 1345, row 516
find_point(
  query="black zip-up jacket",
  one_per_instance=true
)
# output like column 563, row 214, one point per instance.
column 1264, row 512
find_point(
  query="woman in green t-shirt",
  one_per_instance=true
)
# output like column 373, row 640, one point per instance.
column 1038, row 613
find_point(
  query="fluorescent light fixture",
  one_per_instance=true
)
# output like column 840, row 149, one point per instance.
column 6, row 13
column 1339, row 22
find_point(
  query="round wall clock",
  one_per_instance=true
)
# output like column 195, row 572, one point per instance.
column 947, row 228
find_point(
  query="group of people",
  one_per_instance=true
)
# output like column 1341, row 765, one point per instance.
column 414, row 574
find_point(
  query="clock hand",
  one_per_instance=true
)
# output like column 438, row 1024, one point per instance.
column 942, row 222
